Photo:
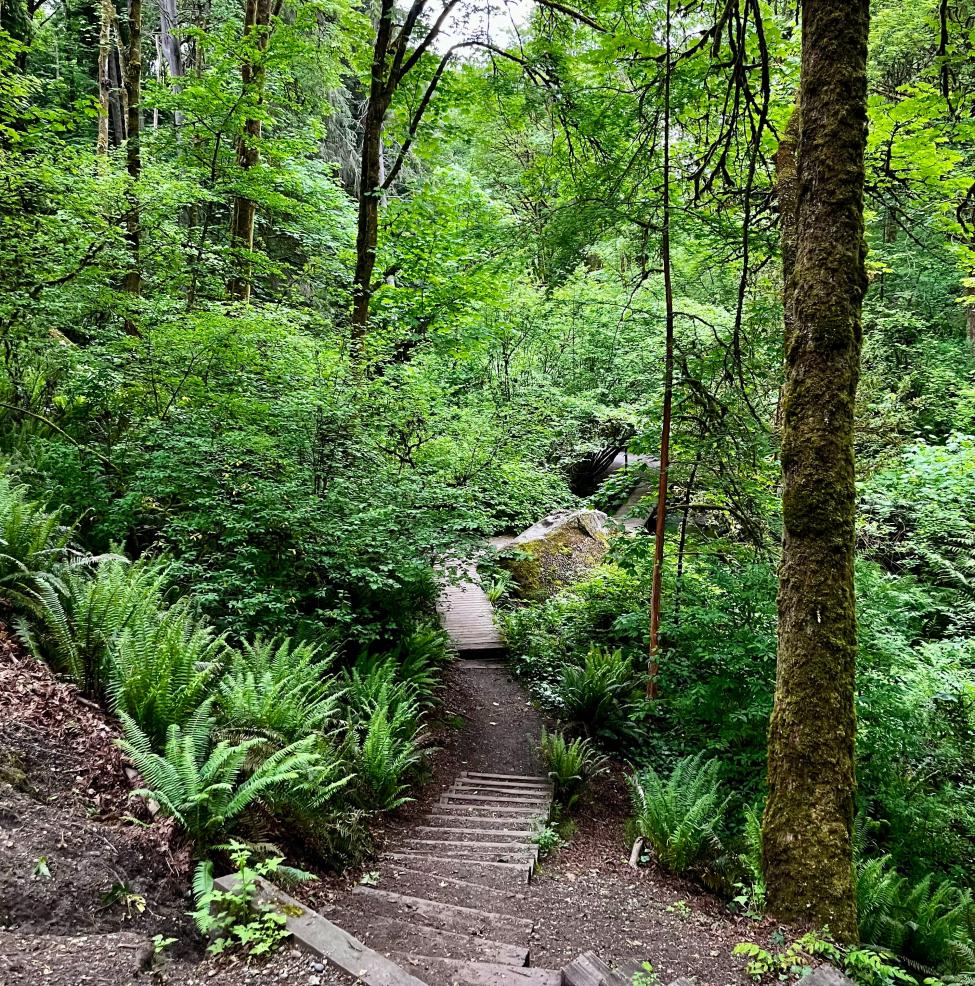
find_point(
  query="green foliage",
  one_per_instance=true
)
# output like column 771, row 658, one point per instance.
column 234, row 919
column 279, row 690
column 385, row 755
column 598, row 695
column 33, row 544
column 680, row 817
column 161, row 668
column 82, row 616
column 200, row 783
column 864, row 965
column 548, row 839
column 929, row 924
column 571, row 764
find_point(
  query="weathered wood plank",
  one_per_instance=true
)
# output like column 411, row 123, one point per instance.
column 318, row 935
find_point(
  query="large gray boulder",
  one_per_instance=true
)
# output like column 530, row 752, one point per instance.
column 556, row 552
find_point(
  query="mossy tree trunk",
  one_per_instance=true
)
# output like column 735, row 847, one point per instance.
column 809, row 815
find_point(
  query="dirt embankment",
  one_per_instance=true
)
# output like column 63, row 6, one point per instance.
column 88, row 876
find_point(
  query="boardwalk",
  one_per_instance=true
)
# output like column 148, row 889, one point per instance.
column 465, row 611
column 467, row 615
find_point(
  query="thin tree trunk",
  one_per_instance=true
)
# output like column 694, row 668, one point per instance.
column 133, row 154
column 257, row 18
column 807, row 831
column 104, row 80
column 970, row 313
column 370, row 176
column 169, row 45
column 116, row 109
column 653, row 666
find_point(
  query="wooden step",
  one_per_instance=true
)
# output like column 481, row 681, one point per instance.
column 475, row 834
column 513, row 781
column 321, row 937
column 441, row 972
column 389, row 934
column 478, row 775
column 471, row 851
column 497, row 787
column 463, row 821
column 454, row 796
column 449, row 917
column 401, row 877
column 486, row 811
column 505, row 846
column 588, row 969
column 493, row 874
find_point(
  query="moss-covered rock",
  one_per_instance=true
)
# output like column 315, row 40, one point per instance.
column 556, row 552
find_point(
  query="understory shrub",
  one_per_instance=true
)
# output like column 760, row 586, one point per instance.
column 571, row 766
column 680, row 817
column 161, row 667
column 83, row 611
column 599, row 695
column 201, row 783
column 280, row 690
column 33, row 543
column 929, row 925
column 386, row 753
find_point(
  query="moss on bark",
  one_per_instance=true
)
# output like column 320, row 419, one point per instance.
column 809, row 814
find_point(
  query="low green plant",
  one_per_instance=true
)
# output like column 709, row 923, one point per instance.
column 161, row 667
column 33, row 543
column 680, row 816
column 234, row 919
column 279, row 690
column 201, row 784
column 646, row 975
column 750, row 893
column 548, row 839
column 571, row 765
column 864, row 965
column 384, row 757
column 373, row 686
column 83, row 612
column 597, row 696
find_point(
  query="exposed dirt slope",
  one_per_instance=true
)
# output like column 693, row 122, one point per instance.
column 87, row 876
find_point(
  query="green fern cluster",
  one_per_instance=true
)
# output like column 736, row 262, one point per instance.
column 680, row 817
column 34, row 543
column 280, row 690
column 202, row 783
column 83, row 611
column 162, row 668
column 929, row 924
column 386, row 753
column 217, row 730
column 571, row 765
column 597, row 696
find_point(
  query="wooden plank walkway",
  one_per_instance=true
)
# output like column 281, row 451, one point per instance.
column 467, row 615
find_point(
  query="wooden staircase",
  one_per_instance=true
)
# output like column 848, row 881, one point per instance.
column 445, row 907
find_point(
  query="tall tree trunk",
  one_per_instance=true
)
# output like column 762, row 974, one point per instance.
column 133, row 150
column 370, row 175
column 653, row 667
column 970, row 313
column 807, row 831
column 169, row 45
column 116, row 89
column 257, row 20
column 104, row 79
